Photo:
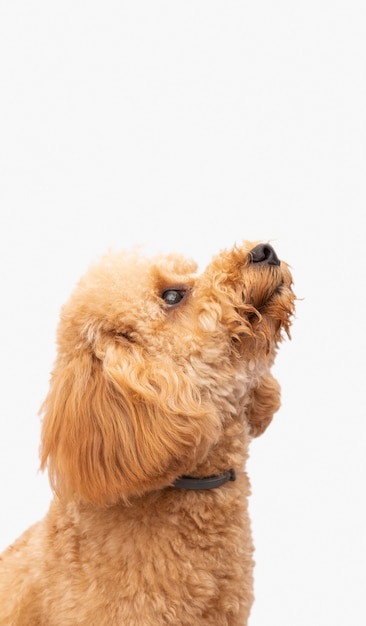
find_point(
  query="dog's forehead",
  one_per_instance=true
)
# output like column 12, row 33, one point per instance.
column 125, row 281
column 171, row 271
column 131, row 271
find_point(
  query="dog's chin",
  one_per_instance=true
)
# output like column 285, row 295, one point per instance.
column 261, row 290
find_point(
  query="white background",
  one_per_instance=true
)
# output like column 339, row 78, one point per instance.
column 189, row 126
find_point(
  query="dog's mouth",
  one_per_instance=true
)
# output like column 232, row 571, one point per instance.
column 263, row 303
column 263, row 287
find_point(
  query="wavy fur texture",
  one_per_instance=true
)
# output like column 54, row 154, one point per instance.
column 160, row 373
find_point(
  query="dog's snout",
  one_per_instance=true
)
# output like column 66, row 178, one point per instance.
column 264, row 253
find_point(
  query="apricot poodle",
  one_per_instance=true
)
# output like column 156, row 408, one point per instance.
column 162, row 379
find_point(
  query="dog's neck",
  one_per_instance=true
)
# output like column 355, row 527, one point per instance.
column 208, row 482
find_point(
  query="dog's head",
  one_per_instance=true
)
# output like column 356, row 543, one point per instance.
column 153, row 360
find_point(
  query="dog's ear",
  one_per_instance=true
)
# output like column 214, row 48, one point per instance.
column 265, row 401
column 122, row 425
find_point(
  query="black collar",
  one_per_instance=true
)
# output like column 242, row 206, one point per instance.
column 209, row 482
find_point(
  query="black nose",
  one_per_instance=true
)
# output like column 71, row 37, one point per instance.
column 264, row 253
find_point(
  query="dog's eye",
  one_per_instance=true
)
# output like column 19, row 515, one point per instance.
column 172, row 296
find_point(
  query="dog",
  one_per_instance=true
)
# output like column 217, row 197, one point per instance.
column 161, row 380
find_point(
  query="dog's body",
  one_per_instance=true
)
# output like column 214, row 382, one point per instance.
column 160, row 374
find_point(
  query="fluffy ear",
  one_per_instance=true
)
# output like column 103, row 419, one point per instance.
column 265, row 401
column 121, row 426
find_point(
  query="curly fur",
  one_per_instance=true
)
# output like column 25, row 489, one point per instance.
column 141, row 393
